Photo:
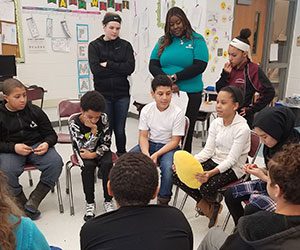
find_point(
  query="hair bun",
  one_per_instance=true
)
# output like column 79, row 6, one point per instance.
column 245, row 33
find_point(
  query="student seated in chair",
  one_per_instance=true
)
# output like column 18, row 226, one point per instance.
column 161, row 127
column 136, row 225
column 224, row 154
column 264, row 229
column 275, row 127
column 91, row 136
column 26, row 136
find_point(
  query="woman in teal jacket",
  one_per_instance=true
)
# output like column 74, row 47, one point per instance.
column 182, row 54
column 17, row 232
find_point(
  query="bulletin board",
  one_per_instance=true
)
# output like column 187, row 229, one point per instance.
column 11, row 25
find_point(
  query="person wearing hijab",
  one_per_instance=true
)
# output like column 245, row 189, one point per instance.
column 240, row 71
column 275, row 127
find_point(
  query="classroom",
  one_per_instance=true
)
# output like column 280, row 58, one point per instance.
column 144, row 58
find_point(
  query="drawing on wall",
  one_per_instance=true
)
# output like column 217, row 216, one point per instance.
column 52, row 1
column 82, row 4
column 162, row 8
column 82, row 32
column 82, row 51
column 111, row 3
column 83, row 68
column 125, row 5
column 49, row 27
column 65, row 28
column 60, row 44
column 83, row 84
column 32, row 27
column 118, row 5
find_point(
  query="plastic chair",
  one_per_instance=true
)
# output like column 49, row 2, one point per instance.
column 29, row 167
column 254, row 149
column 75, row 161
column 64, row 110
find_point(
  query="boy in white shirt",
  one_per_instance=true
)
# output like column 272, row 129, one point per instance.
column 161, row 127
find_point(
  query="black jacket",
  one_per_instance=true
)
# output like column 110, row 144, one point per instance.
column 265, row 231
column 111, row 81
column 29, row 126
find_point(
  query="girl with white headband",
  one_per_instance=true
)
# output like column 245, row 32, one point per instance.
column 240, row 71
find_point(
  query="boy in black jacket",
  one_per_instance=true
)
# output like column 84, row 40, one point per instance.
column 26, row 136
column 91, row 139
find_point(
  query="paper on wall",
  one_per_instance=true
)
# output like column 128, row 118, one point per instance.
column 37, row 45
column 60, row 44
column 9, row 33
column 274, row 52
column 7, row 11
column 196, row 16
column 49, row 27
column 32, row 27
column 65, row 28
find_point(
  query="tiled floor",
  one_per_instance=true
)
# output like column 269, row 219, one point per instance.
column 63, row 230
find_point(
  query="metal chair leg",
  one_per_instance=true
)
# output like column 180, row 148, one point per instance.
column 183, row 201
column 175, row 196
column 71, row 201
column 30, row 179
column 226, row 221
column 59, row 197
column 67, row 177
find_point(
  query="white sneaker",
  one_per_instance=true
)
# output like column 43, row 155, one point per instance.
column 108, row 206
column 90, row 211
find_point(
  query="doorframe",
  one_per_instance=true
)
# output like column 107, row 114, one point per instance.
column 286, row 52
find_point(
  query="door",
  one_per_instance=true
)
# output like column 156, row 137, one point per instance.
column 254, row 17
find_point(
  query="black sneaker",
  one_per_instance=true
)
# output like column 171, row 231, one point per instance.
column 90, row 211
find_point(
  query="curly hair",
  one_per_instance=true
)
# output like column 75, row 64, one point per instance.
column 7, row 209
column 133, row 179
column 161, row 80
column 284, row 170
column 167, row 38
column 92, row 100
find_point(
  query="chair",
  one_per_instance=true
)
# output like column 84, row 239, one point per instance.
column 186, row 128
column 75, row 161
column 29, row 167
column 64, row 110
column 35, row 93
column 254, row 149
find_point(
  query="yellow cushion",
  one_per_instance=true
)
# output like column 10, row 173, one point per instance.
column 187, row 167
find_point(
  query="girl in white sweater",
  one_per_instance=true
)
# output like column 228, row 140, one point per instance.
column 224, row 154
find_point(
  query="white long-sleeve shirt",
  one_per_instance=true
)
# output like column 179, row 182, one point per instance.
column 228, row 146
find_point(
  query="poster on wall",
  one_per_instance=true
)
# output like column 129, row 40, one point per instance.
column 84, row 84
column 82, row 51
column 82, row 32
column 60, row 44
column 83, row 68
column 37, row 45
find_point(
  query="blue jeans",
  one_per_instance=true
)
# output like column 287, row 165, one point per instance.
column 165, row 165
column 117, row 110
column 12, row 165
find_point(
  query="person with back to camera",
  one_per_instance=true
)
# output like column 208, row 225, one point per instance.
column 182, row 54
column 111, row 61
column 161, row 127
column 91, row 138
column 26, row 136
column 136, row 224
column 241, row 72
column 17, row 232
column 224, row 154
column 275, row 127
column 278, row 230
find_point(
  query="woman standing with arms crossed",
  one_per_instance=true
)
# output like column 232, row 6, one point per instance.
column 111, row 61
column 182, row 54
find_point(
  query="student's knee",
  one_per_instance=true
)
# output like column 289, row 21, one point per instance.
column 136, row 149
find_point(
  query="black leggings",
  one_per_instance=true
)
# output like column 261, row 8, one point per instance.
column 88, row 176
column 192, row 111
column 210, row 189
